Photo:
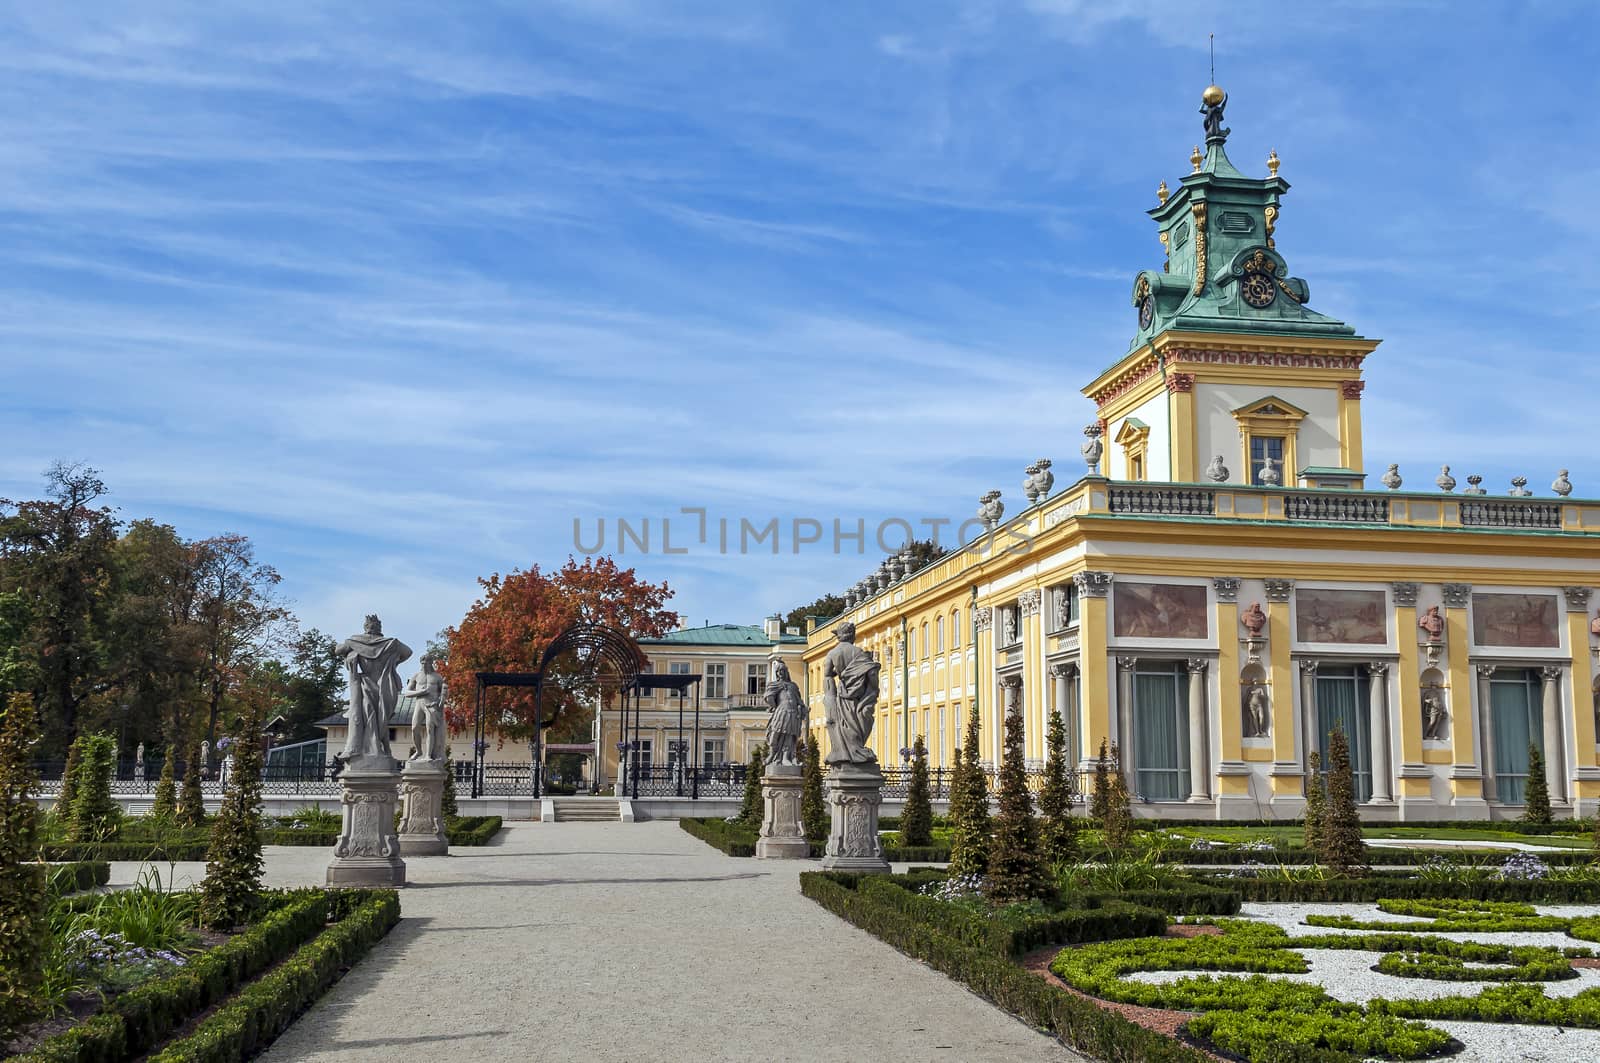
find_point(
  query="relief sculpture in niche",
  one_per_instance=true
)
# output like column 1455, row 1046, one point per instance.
column 1435, row 718
column 1256, row 712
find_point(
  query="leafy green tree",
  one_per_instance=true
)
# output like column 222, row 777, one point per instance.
column 1316, row 802
column 916, row 818
column 57, row 553
column 969, row 836
column 825, row 608
column 24, row 918
column 1536, row 798
column 1100, row 799
column 95, row 815
column 1118, row 825
column 1016, row 870
column 753, row 809
column 192, row 805
column 165, row 806
column 814, row 818
column 1342, row 849
column 1058, row 831
column 228, row 894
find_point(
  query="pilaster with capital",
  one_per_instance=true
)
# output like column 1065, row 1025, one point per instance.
column 1465, row 786
column 1554, row 755
column 1124, row 735
column 1416, row 783
column 1310, row 739
column 1199, row 741
column 1230, row 731
column 1378, row 729
column 1287, row 756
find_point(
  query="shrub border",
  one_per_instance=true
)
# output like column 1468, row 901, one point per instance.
column 1380, row 886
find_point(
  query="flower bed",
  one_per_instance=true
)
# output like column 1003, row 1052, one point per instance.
column 136, row 1022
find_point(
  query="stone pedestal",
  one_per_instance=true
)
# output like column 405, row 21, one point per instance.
column 782, row 836
column 422, row 830
column 854, row 793
column 368, row 850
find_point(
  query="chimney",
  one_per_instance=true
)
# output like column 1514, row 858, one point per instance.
column 774, row 626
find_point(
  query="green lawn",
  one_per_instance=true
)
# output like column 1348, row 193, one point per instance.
column 1290, row 834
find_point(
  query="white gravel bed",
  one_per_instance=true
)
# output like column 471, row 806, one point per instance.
column 1347, row 975
column 1492, row 1042
column 1291, row 917
column 1442, row 845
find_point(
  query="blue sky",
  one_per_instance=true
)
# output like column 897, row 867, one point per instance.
column 400, row 290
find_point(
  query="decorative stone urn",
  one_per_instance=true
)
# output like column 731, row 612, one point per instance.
column 854, row 793
column 422, row 830
column 991, row 509
column 1519, row 487
column 1038, row 481
column 1092, row 448
column 1475, row 486
column 782, row 836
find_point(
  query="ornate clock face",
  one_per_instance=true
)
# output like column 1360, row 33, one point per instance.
column 1147, row 311
column 1258, row 289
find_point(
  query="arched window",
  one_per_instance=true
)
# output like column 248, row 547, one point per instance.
column 955, row 630
column 927, row 646
column 938, row 634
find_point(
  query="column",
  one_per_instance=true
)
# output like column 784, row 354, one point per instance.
column 1288, row 768
column 1491, row 786
column 1378, row 728
column 1308, row 712
column 1061, row 705
column 1199, row 744
column 1094, row 683
column 1467, row 785
column 1125, row 667
column 1554, row 773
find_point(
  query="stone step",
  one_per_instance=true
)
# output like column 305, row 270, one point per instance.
column 586, row 811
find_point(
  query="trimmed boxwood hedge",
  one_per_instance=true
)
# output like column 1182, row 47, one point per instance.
column 137, row 1021
column 467, row 831
column 1378, row 886
column 1187, row 900
column 1378, row 856
column 263, row 1010
column 1074, row 1020
column 473, row 831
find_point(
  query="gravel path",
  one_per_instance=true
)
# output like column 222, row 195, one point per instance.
column 595, row 941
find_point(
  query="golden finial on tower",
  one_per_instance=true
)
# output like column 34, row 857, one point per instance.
column 1162, row 193
column 1196, row 158
column 1273, row 162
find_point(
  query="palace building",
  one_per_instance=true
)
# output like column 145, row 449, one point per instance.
column 1222, row 587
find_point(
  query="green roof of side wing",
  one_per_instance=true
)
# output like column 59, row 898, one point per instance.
column 722, row 635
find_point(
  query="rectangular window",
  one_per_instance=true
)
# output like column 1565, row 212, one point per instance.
column 678, row 668
column 1343, row 699
column 713, row 752
column 1136, row 469
column 754, row 679
column 1161, row 730
column 1516, row 715
column 642, row 756
column 716, row 680
column 1263, row 449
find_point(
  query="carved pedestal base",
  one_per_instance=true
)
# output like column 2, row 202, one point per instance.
column 368, row 851
column 854, row 793
column 782, row 836
column 421, row 822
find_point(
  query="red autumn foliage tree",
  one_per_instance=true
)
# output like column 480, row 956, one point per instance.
column 508, row 629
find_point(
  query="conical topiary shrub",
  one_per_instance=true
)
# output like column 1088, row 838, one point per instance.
column 1100, row 798
column 752, row 810
column 447, row 803
column 165, row 806
column 1343, row 851
column 95, row 815
column 1316, row 802
column 192, row 804
column 1118, row 828
column 67, row 796
column 228, row 894
column 1058, row 832
column 1016, row 870
column 1536, row 796
column 916, row 819
column 814, row 818
column 969, row 841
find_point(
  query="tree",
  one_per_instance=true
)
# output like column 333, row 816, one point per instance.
column 1536, row 798
column 234, row 863
column 1016, row 870
column 825, row 608
column 752, row 810
column 447, row 803
column 955, row 786
column 1058, row 832
column 969, row 836
column 814, row 818
column 165, row 806
column 1100, row 799
column 1117, row 831
column 24, row 903
column 192, row 805
column 1316, row 802
column 56, row 554
column 916, row 818
column 519, row 615
column 924, row 552
column 1342, row 850
column 313, row 684
column 95, row 814
column 239, row 617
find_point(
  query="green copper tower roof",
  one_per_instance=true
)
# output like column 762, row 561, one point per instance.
column 1223, row 271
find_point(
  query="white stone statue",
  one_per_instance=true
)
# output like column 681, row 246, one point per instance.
column 425, row 691
column 227, row 768
column 372, row 660
column 138, row 761
column 205, row 758
column 1434, row 716
column 789, row 717
column 850, row 695
column 1255, row 713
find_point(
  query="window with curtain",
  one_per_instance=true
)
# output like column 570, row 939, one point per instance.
column 1161, row 730
column 1262, row 448
column 1516, row 715
column 1343, row 700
